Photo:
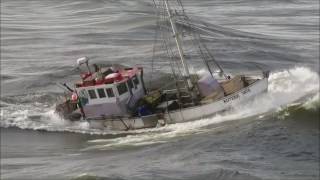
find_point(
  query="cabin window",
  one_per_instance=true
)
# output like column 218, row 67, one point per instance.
column 92, row 94
column 110, row 92
column 135, row 80
column 122, row 88
column 101, row 93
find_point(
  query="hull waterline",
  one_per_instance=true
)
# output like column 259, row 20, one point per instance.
column 183, row 114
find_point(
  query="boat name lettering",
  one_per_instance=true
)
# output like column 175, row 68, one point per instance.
column 246, row 91
column 231, row 98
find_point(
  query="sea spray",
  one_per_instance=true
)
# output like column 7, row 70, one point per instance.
column 285, row 87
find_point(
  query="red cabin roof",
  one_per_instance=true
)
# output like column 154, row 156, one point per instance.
column 107, row 76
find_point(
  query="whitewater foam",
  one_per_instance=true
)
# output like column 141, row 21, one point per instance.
column 312, row 103
column 285, row 87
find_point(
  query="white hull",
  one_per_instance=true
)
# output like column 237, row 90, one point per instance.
column 225, row 103
column 185, row 114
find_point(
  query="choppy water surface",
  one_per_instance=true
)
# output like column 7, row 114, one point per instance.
column 275, row 136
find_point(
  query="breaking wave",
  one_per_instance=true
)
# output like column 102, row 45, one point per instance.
column 284, row 91
column 290, row 87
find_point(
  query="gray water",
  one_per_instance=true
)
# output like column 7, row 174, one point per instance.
column 274, row 136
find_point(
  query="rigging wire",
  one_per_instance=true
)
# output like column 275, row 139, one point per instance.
column 166, row 35
column 154, row 43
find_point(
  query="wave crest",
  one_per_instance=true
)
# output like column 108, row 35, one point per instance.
column 297, row 85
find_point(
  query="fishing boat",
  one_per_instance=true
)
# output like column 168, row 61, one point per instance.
column 117, row 98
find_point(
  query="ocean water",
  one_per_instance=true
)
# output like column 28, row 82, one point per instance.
column 274, row 136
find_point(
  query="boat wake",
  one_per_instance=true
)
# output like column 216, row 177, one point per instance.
column 290, row 87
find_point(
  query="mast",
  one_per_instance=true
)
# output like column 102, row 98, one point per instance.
column 179, row 46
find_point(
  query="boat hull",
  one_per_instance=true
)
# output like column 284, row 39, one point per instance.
column 206, row 110
column 185, row 114
column 124, row 124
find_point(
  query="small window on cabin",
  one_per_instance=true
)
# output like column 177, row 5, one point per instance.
column 135, row 80
column 101, row 93
column 130, row 84
column 122, row 88
column 92, row 94
column 110, row 92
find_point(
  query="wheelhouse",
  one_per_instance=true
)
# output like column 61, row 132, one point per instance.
column 110, row 92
